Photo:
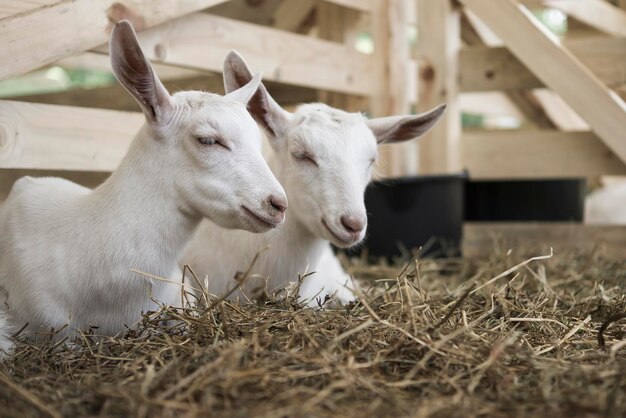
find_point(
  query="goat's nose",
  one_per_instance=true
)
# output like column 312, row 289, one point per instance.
column 279, row 203
column 353, row 223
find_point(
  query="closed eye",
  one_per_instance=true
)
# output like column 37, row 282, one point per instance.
column 304, row 157
column 211, row 141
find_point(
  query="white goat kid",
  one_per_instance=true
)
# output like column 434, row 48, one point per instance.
column 66, row 252
column 323, row 157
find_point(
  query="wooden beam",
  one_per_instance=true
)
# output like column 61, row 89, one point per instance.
column 598, row 14
column 560, row 70
column 390, row 95
column 201, row 41
column 116, row 98
column 485, row 239
column 93, row 61
column 360, row 5
column 47, row 137
column 439, row 42
column 482, row 68
column 338, row 24
column 291, row 14
column 76, row 26
column 260, row 12
column 537, row 154
column 13, row 7
column 531, row 108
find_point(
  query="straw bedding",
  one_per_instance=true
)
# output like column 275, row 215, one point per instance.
column 508, row 336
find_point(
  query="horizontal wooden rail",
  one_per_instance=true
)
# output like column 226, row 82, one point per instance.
column 484, row 239
column 482, row 68
column 48, row 137
column 537, row 154
column 46, row 34
column 202, row 41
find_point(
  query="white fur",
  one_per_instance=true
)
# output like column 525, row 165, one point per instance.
column 607, row 205
column 66, row 252
column 343, row 147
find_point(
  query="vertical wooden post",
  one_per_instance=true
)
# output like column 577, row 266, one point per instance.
column 338, row 24
column 438, row 25
column 392, row 61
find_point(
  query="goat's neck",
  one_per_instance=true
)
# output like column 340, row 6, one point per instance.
column 139, row 202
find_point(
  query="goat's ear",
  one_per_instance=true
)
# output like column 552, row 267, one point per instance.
column 134, row 72
column 402, row 128
column 263, row 108
column 243, row 94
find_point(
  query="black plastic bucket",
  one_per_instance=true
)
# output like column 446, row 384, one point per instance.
column 525, row 200
column 409, row 213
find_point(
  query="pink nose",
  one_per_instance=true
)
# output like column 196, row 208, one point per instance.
column 353, row 223
column 279, row 203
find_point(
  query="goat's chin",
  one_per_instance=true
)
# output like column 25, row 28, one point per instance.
column 343, row 244
column 339, row 240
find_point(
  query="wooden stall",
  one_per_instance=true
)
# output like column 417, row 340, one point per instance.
column 382, row 57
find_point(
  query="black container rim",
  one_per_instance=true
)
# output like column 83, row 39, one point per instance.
column 422, row 178
column 529, row 180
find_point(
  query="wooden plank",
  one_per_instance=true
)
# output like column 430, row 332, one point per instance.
column 439, row 42
column 260, row 12
column 537, row 154
column 291, row 14
column 360, row 5
column 482, row 68
column 598, row 14
column 75, row 27
column 93, row 61
column 201, row 41
column 532, row 109
column 116, row 98
column 14, row 7
column 338, row 24
column 490, row 238
column 47, row 137
column 390, row 95
column 560, row 70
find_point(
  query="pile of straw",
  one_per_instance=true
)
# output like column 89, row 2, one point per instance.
column 436, row 338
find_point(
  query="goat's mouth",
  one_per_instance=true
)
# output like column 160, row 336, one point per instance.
column 263, row 221
column 344, row 241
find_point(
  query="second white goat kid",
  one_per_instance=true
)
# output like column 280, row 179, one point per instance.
column 323, row 157
column 66, row 252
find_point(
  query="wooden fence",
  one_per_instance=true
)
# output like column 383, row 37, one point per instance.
column 566, row 90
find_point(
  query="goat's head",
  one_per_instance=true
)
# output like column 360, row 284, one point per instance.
column 326, row 155
column 208, row 145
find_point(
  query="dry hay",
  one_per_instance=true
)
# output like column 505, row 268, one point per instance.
column 452, row 338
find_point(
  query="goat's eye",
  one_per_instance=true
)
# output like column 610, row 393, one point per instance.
column 304, row 157
column 210, row 141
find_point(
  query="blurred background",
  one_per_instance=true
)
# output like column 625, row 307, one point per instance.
column 532, row 146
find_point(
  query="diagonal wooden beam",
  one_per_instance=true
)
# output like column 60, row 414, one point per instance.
column 542, row 52
column 42, row 35
column 482, row 68
column 598, row 14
